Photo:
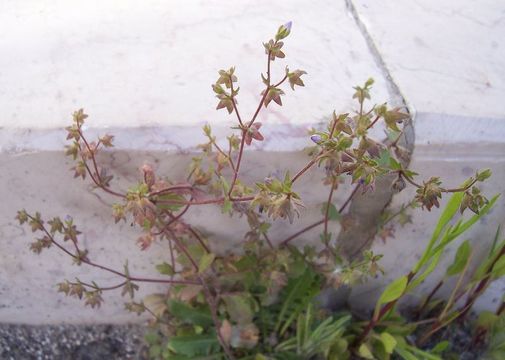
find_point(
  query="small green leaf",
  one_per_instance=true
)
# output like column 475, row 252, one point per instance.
column 460, row 259
column 224, row 184
column 165, row 269
column 227, row 206
column 393, row 291
column 192, row 345
column 395, row 165
column 499, row 268
column 440, row 347
column 384, row 158
column 365, row 352
column 388, row 341
column 333, row 213
column 422, row 354
column 205, row 261
column 239, row 308
column 166, row 200
column 190, row 315
column 405, row 354
column 449, row 211
column 156, row 303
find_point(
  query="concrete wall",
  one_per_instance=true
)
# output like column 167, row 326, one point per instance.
column 143, row 70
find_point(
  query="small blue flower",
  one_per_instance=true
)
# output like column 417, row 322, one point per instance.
column 316, row 138
column 288, row 25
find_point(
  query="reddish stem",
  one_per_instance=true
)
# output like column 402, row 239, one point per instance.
column 376, row 319
column 98, row 182
column 342, row 208
column 481, row 287
column 85, row 260
column 430, row 296
column 294, row 236
column 101, row 288
column 309, row 165
column 205, row 202
column 171, row 189
column 194, row 233
column 373, row 122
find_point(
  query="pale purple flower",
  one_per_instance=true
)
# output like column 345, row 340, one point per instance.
column 316, row 138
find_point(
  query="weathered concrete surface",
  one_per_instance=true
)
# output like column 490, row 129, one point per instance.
column 445, row 59
column 133, row 63
column 146, row 67
column 444, row 55
column 143, row 72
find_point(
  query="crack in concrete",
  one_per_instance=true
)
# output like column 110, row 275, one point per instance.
column 366, row 208
column 393, row 89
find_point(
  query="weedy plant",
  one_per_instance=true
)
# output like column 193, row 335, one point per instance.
column 261, row 302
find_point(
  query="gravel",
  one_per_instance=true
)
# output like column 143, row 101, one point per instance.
column 110, row 342
column 75, row 342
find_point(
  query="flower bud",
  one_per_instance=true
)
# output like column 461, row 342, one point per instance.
column 316, row 138
column 149, row 177
column 283, row 31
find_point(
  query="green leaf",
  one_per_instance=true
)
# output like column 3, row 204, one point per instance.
column 460, row 259
column 483, row 175
column 495, row 241
column 434, row 260
column 499, row 268
column 393, row 291
column 485, row 266
column 224, row 184
column 165, row 269
column 440, row 347
column 152, row 338
column 487, row 319
column 384, row 158
column 453, row 232
column 170, row 197
column 433, row 253
column 192, row 345
column 297, row 294
column 365, row 352
column 156, row 303
column 423, row 354
column 333, row 213
column 190, row 315
column 406, row 355
column 205, row 261
column 227, row 206
column 239, row 307
column 449, row 211
column 388, row 341
column 467, row 224
column 394, row 165
column 287, row 180
column 392, row 117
